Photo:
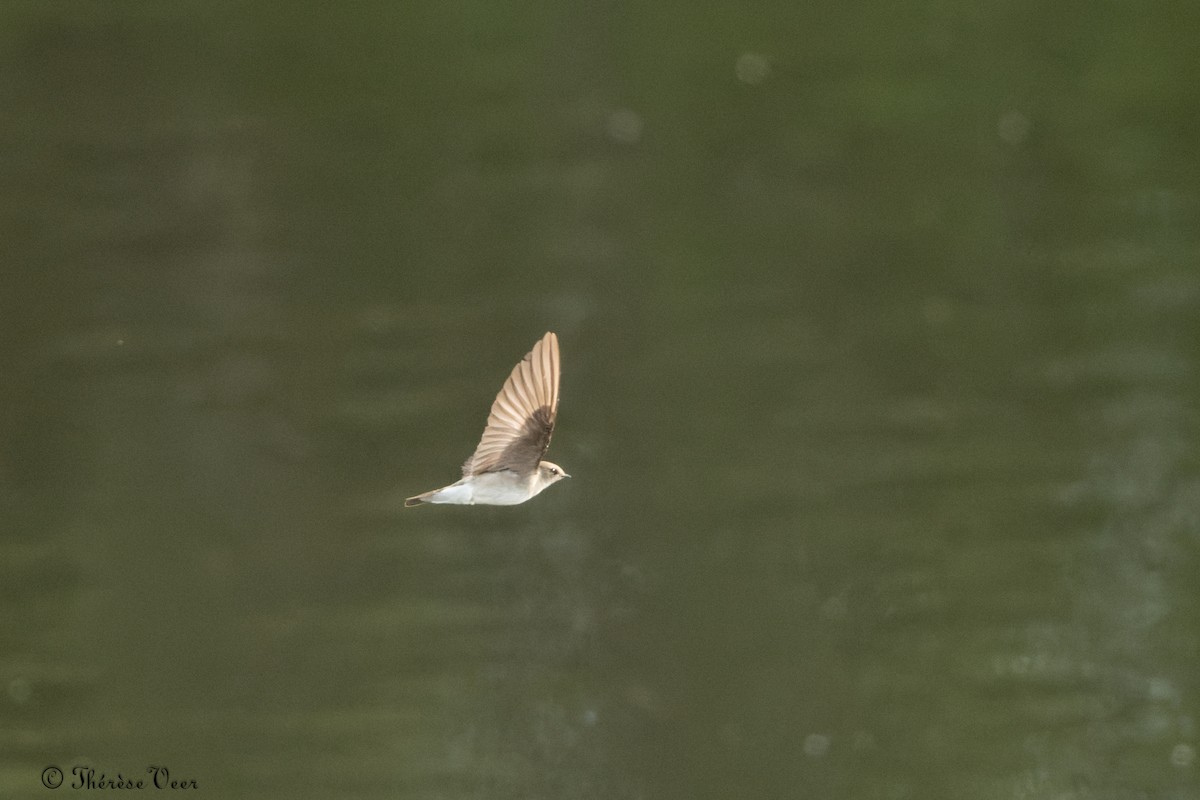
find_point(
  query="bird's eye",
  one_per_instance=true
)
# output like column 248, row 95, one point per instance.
column 553, row 471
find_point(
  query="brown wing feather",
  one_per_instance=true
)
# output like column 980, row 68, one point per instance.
column 522, row 419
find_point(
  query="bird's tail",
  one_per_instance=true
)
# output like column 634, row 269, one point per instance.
column 454, row 493
column 420, row 499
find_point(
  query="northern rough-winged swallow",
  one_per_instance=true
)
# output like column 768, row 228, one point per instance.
column 506, row 467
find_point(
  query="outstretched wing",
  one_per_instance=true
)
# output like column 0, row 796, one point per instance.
column 522, row 419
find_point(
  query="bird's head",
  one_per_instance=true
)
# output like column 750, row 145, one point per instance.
column 550, row 473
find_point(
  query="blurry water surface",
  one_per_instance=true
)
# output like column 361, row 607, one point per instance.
column 880, row 344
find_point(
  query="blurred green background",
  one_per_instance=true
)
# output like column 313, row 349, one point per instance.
column 880, row 338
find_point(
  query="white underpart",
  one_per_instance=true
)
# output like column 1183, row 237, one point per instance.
column 489, row 489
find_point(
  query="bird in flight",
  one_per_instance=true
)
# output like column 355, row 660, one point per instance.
column 507, row 468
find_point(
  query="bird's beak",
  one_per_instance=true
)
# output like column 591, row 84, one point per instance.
column 565, row 475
